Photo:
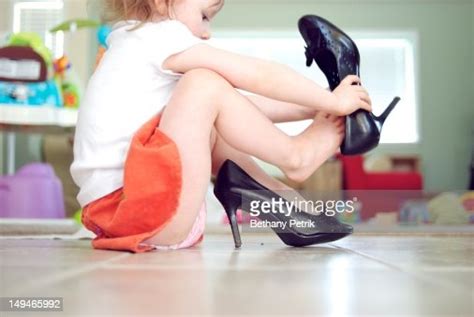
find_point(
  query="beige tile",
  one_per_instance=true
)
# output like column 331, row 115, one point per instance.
column 461, row 279
column 257, row 253
column 340, row 291
column 446, row 260
column 25, row 263
column 359, row 275
column 415, row 253
column 61, row 252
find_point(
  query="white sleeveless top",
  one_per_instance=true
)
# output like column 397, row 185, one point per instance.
column 128, row 88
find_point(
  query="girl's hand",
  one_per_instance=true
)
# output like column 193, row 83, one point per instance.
column 351, row 97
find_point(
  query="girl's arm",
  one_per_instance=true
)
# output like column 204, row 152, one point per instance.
column 280, row 111
column 270, row 79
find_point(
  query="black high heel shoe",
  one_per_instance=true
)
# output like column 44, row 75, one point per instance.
column 235, row 189
column 338, row 56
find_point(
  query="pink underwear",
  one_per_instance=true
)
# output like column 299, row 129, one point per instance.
column 194, row 236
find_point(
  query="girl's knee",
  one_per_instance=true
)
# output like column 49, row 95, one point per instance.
column 203, row 74
column 205, row 80
column 200, row 91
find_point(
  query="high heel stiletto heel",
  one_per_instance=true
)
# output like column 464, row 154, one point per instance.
column 231, row 203
column 235, row 189
column 338, row 56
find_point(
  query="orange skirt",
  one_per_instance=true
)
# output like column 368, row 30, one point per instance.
column 148, row 199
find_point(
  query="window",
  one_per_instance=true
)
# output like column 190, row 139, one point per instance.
column 40, row 17
column 387, row 70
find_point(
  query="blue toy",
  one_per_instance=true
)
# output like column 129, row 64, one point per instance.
column 25, row 80
column 102, row 34
column 31, row 94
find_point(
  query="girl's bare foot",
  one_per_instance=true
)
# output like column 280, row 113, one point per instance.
column 315, row 145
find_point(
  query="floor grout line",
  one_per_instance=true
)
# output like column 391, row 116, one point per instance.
column 59, row 277
column 419, row 276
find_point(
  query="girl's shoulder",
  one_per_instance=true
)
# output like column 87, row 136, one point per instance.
column 142, row 27
column 147, row 32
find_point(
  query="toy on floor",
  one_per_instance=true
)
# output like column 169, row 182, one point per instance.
column 447, row 209
column 467, row 201
column 384, row 219
column 414, row 213
column 33, row 192
column 338, row 56
column 351, row 216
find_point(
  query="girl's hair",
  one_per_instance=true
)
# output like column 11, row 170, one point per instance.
column 142, row 10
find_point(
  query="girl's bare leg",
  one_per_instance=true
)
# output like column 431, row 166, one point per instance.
column 203, row 99
column 223, row 151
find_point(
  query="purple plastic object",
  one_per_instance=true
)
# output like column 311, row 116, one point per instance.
column 33, row 192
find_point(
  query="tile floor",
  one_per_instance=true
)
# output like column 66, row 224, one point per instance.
column 360, row 276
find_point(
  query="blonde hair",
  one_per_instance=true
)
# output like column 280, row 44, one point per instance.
column 142, row 10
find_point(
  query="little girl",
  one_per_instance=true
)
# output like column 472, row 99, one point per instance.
column 162, row 113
